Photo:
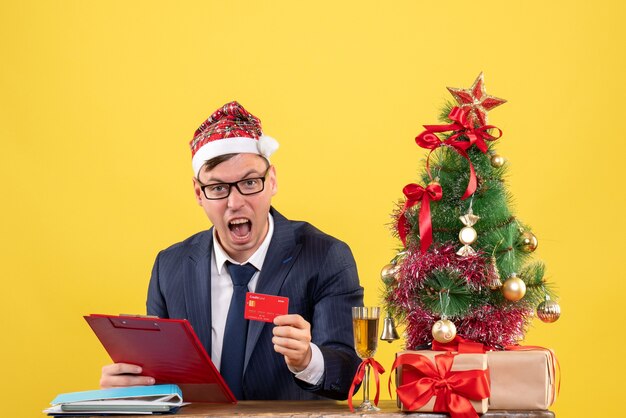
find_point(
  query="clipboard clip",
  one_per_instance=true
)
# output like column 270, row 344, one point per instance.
column 141, row 322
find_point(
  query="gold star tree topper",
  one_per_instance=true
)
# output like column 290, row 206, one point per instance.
column 476, row 100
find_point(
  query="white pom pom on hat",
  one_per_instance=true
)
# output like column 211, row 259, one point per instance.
column 267, row 146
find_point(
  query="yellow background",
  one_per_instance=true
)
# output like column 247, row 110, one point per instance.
column 98, row 101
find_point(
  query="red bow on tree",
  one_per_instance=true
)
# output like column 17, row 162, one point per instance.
column 453, row 390
column 463, row 127
column 415, row 193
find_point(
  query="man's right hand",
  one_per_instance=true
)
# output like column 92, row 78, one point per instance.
column 122, row 374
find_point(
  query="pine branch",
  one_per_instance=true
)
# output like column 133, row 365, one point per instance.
column 446, row 292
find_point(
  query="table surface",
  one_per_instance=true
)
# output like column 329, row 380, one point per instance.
column 326, row 409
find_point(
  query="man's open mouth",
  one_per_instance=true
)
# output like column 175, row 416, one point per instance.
column 240, row 227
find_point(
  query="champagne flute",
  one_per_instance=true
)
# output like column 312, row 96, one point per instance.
column 365, row 326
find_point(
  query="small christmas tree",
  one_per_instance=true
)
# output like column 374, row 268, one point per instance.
column 486, row 288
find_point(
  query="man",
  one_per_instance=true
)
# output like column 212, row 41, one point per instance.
column 307, row 354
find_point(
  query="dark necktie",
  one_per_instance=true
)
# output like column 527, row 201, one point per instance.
column 234, row 346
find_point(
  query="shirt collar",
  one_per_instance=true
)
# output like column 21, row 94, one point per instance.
column 255, row 259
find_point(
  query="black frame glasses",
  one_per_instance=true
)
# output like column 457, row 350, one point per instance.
column 239, row 185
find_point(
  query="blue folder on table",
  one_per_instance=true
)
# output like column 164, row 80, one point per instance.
column 127, row 400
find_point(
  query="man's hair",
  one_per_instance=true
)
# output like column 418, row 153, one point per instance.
column 215, row 161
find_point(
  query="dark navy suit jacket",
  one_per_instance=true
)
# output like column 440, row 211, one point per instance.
column 315, row 271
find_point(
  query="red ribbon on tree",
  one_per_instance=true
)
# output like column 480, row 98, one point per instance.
column 415, row 193
column 459, row 345
column 453, row 390
column 358, row 378
column 463, row 127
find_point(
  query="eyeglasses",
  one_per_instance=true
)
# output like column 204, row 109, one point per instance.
column 246, row 187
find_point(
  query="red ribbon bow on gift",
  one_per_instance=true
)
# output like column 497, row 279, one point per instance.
column 415, row 193
column 358, row 378
column 463, row 127
column 453, row 390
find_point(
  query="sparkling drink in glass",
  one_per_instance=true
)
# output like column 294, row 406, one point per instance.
column 365, row 326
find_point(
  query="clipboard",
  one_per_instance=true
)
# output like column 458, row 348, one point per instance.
column 167, row 349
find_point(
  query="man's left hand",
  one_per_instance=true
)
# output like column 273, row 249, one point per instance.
column 292, row 339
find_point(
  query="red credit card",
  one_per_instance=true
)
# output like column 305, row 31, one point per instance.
column 260, row 307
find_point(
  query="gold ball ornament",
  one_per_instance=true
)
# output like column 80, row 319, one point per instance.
column 444, row 331
column 549, row 311
column 528, row 242
column 497, row 161
column 514, row 288
column 388, row 273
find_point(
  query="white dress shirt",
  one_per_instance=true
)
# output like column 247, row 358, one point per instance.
column 222, row 292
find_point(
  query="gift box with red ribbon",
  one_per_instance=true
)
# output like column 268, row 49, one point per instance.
column 522, row 378
column 436, row 381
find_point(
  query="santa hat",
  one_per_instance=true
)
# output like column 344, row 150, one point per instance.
column 231, row 129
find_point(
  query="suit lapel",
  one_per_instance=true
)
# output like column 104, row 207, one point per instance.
column 280, row 257
column 197, row 285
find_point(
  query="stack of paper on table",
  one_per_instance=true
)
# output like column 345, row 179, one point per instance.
column 128, row 400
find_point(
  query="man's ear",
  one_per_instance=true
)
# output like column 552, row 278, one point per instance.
column 197, row 190
column 273, row 180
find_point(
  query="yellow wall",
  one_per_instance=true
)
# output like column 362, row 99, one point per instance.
column 99, row 99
